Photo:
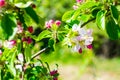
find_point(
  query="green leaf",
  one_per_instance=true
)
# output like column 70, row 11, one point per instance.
column 32, row 14
column 8, row 24
column 44, row 34
column 51, row 44
column 84, row 17
column 11, row 66
column 68, row 16
column 23, row 5
column 114, row 12
column 100, row 19
column 88, row 4
column 112, row 29
column 60, row 37
column 28, row 54
column 76, row 14
column 95, row 11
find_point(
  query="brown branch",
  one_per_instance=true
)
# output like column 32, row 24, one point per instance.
column 87, row 22
column 39, row 52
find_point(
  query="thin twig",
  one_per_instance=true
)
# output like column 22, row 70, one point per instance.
column 39, row 52
column 87, row 22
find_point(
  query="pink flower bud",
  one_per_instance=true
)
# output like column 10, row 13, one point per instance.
column 52, row 73
column 80, row 50
column 55, row 78
column 58, row 22
column 29, row 40
column 78, row 1
column 51, row 22
column 30, row 29
column 2, row 3
column 0, row 52
column 89, row 46
column 12, row 42
column 24, row 39
column 47, row 25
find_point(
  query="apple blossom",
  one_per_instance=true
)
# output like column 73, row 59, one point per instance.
column 81, row 39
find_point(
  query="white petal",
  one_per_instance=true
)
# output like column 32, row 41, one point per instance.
column 19, row 66
column 20, row 57
column 89, row 32
column 82, row 32
column 88, row 41
column 75, row 27
column 76, row 48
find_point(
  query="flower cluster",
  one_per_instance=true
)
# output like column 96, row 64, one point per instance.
column 48, row 24
column 27, row 40
column 81, row 38
column 20, row 30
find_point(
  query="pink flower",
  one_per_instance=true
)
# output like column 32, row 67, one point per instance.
column 28, row 40
column 48, row 24
column 0, row 52
column 51, row 22
column 30, row 29
column 52, row 73
column 24, row 39
column 12, row 42
column 57, row 22
column 19, row 29
column 89, row 46
column 2, row 3
column 78, row 1
column 9, row 44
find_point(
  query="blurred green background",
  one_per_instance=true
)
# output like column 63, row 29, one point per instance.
column 101, row 63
